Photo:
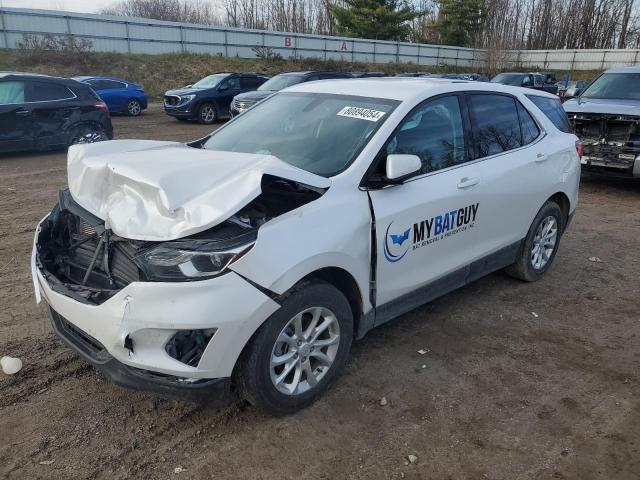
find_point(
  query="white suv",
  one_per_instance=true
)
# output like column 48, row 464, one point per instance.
column 255, row 256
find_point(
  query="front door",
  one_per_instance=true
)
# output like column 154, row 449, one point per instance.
column 15, row 117
column 425, row 227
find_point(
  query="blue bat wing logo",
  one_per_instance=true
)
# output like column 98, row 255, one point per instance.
column 400, row 239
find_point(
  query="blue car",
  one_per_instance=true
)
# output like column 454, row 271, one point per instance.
column 120, row 96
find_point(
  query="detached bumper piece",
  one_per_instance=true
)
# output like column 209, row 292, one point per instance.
column 212, row 392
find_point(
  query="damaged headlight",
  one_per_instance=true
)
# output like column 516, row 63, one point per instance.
column 184, row 261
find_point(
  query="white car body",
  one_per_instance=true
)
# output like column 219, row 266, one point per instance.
column 161, row 191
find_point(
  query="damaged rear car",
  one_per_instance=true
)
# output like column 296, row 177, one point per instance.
column 248, row 261
column 606, row 118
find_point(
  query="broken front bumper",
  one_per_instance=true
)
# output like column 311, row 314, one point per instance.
column 132, row 328
column 621, row 163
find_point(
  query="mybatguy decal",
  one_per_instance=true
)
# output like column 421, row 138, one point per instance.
column 426, row 232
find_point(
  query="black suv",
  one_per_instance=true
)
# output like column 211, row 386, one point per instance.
column 38, row 112
column 209, row 99
column 245, row 100
column 537, row 81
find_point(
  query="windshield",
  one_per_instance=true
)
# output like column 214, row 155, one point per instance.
column 320, row 133
column 210, row 81
column 624, row 86
column 280, row 81
column 508, row 79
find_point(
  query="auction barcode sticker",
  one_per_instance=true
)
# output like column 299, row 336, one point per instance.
column 361, row 113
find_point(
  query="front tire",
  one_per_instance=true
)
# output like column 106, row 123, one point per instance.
column 298, row 352
column 540, row 245
column 207, row 113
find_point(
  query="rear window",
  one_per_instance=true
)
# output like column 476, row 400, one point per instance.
column 552, row 108
column 496, row 125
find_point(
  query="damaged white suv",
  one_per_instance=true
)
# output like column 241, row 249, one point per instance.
column 253, row 257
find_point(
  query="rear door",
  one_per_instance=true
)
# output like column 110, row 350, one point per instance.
column 15, row 117
column 53, row 106
column 425, row 227
column 112, row 92
column 510, row 160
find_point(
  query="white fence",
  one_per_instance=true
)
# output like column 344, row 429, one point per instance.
column 138, row 35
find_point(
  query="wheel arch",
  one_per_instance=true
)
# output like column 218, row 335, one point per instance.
column 562, row 200
column 346, row 283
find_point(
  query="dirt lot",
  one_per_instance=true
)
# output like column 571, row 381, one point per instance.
column 507, row 394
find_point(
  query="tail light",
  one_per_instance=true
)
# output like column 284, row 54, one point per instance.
column 579, row 148
column 102, row 107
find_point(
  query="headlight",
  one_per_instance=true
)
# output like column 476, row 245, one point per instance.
column 186, row 99
column 184, row 261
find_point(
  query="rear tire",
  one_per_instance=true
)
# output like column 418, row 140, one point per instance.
column 288, row 365
column 207, row 113
column 541, row 244
column 87, row 133
column 134, row 108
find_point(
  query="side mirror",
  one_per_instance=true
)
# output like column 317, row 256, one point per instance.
column 400, row 166
column 223, row 87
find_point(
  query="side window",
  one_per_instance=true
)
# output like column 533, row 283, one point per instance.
column 527, row 81
column 552, row 108
column 495, row 124
column 530, row 130
column 11, row 92
column 250, row 82
column 110, row 85
column 47, row 92
column 233, row 83
column 538, row 81
column 434, row 132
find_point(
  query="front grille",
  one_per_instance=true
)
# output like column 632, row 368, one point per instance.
column 242, row 104
column 171, row 100
column 85, row 260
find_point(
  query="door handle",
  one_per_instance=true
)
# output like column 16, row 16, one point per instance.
column 467, row 182
column 541, row 157
column 23, row 112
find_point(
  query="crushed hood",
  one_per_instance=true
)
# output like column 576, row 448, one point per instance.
column 602, row 105
column 157, row 191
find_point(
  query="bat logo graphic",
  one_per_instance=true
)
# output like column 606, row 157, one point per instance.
column 395, row 256
column 400, row 239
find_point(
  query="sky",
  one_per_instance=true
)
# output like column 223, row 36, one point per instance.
column 60, row 5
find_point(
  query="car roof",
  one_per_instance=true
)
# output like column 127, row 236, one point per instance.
column 623, row 70
column 406, row 88
column 38, row 76
column 98, row 77
column 29, row 75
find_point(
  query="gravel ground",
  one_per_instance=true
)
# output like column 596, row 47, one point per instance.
column 523, row 381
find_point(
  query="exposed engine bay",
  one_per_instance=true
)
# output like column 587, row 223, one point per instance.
column 610, row 142
column 82, row 259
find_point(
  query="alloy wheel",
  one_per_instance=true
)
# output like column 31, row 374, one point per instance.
column 134, row 108
column 88, row 136
column 208, row 114
column 305, row 350
column 544, row 242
